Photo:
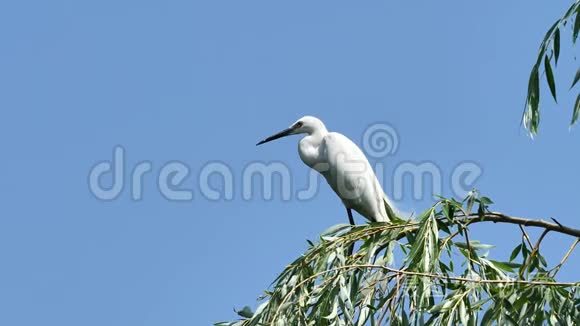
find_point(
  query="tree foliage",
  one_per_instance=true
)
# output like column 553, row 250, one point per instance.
column 548, row 55
column 421, row 271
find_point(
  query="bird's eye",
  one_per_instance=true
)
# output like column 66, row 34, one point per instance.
column 298, row 124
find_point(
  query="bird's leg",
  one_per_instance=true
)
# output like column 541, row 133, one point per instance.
column 351, row 220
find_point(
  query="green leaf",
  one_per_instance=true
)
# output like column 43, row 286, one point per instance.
column 449, row 211
column 441, row 307
column 444, row 268
column 485, row 200
column 509, row 319
column 463, row 316
column 441, row 225
column 515, row 252
column 576, row 78
column 405, row 319
column 487, row 317
column 246, row 312
column 471, row 198
column 576, row 111
column 546, row 38
column 569, row 12
column 476, row 245
column 534, row 263
column 550, row 77
column 531, row 113
column 556, row 45
column 542, row 260
column 261, row 307
column 576, row 26
column 333, row 313
column 335, row 229
column 505, row 266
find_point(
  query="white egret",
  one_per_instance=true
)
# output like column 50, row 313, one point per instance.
column 344, row 166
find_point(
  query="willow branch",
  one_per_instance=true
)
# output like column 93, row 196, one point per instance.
column 502, row 218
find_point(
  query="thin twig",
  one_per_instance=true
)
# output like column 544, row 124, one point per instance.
column 466, row 231
column 556, row 269
column 448, row 238
column 526, row 236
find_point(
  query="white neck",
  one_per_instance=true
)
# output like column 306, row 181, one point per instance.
column 309, row 146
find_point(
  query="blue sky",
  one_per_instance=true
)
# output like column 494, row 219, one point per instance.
column 203, row 81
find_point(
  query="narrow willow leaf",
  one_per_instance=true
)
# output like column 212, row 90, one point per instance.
column 488, row 316
column 556, row 45
column 404, row 319
column 576, row 26
column 331, row 258
column 569, row 12
column 471, row 198
column 505, row 266
column 576, row 78
column 463, row 316
column 531, row 113
column 449, row 211
column 542, row 260
column 261, row 308
column 334, row 311
column 534, row 263
column 246, row 312
column 335, row 229
column 444, row 268
column 510, row 320
column 576, row 111
column 515, row 252
column 441, row 225
column 550, row 77
column 486, row 200
column 546, row 38
column 365, row 311
column 441, row 307
column 553, row 320
column 474, row 245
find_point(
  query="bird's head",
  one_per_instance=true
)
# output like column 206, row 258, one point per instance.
column 304, row 125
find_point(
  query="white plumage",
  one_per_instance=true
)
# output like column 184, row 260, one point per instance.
column 343, row 165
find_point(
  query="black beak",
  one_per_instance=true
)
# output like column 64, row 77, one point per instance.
column 283, row 133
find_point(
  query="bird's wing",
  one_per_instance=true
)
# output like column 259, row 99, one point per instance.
column 345, row 159
column 349, row 172
column 349, row 164
column 337, row 144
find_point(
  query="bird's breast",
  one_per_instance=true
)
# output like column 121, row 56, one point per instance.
column 310, row 154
